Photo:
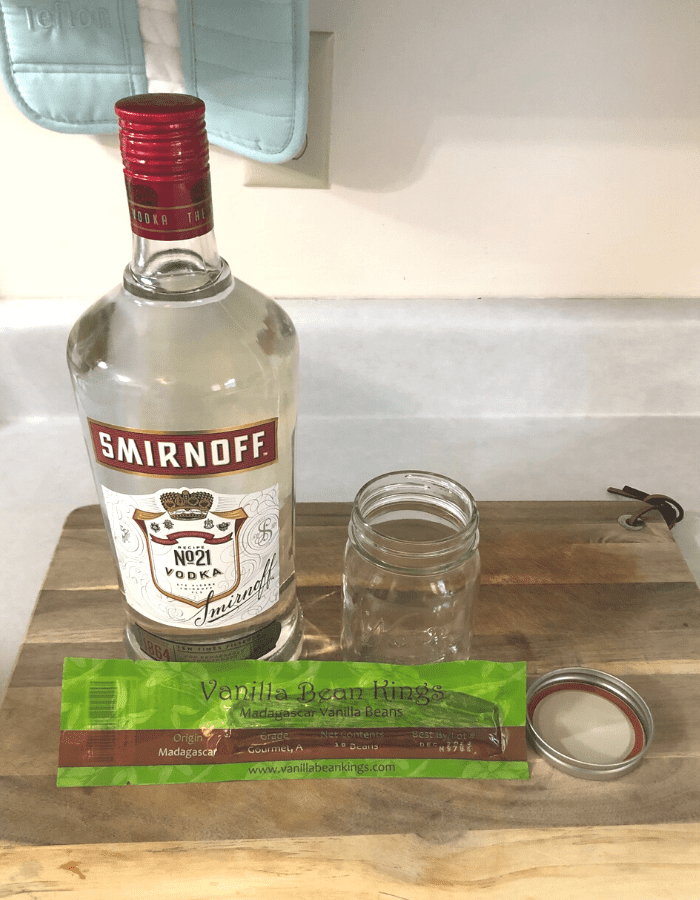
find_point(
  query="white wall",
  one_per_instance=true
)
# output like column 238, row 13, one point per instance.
column 481, row 148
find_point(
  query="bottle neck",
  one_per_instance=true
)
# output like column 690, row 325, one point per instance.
column 174, row 251
column 164, row 149
column 162, row 269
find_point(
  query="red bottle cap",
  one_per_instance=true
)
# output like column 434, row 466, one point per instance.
column 165, row 151
column 162, row 133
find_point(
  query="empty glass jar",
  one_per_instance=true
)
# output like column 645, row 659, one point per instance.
column 411, row 575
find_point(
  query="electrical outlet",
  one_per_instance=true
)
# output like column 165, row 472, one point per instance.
column 310, row 168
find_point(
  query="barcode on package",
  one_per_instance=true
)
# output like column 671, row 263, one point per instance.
column 102, row 703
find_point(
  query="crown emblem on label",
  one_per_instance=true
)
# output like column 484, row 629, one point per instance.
column 187, row 505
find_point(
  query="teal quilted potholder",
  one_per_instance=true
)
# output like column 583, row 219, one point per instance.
column 66, row 62
column 249, row 61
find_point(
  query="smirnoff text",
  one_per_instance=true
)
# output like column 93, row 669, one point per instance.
column 177, row 455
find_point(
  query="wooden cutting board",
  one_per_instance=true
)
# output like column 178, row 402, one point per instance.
column 562, row 584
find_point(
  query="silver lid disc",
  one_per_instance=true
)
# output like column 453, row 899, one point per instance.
column 588, row 724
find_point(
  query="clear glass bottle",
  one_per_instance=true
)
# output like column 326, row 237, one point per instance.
column 412, row 570
column 186, row 385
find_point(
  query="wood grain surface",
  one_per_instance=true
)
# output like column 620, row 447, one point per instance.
column 562, row 584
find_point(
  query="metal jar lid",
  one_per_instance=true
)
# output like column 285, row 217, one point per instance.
column 588, row 724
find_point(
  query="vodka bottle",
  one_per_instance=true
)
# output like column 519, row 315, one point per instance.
column 186, row 381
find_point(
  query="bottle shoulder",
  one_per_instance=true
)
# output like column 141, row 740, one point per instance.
column 239, row 322
column 273, row 326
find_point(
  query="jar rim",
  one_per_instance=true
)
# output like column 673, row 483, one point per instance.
column 409, row 489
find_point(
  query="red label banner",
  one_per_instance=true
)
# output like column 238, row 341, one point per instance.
column 159, row 455
column 217, row 745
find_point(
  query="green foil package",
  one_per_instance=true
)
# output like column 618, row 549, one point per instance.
column 125, row 722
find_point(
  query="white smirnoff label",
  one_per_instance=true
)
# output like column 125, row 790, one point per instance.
column 195, row 557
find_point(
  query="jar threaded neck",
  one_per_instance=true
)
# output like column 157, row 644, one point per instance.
column 415, row 521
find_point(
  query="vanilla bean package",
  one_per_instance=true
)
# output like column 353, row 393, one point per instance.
column 146, row 722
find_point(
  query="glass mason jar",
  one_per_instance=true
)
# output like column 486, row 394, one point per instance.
column 411, row 575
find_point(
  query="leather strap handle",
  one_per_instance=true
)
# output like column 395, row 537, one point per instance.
column 670, row 509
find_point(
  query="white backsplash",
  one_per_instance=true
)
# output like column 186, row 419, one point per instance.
column 517, row 399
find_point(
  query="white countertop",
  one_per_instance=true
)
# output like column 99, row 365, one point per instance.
column 518, row 400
